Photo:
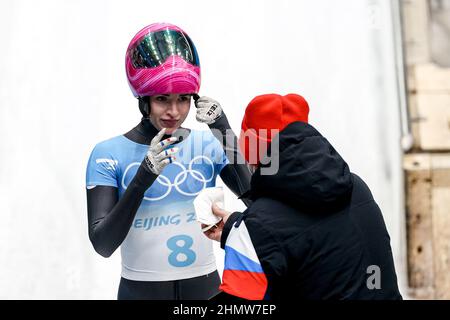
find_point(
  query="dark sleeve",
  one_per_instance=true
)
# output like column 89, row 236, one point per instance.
column 110, row 219
column 236, row 174
column 232, row 219
column 271, row 252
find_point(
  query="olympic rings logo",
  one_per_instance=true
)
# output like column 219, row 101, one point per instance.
column 179, row 179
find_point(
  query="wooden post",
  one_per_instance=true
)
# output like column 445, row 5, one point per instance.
column 419, row 226
column 440, row 204
column 428, row 224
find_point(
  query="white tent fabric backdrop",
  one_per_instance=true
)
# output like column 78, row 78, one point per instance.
column 63, row 89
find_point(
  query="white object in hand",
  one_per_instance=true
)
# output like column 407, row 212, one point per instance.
column 203, row 204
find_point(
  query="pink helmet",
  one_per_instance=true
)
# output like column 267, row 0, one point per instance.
column 162, row 59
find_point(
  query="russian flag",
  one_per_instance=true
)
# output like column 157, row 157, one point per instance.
column 243, row 275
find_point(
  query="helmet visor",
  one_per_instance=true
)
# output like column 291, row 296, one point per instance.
column 154, row 49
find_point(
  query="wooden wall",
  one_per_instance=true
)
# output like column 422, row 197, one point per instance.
column 427, row 165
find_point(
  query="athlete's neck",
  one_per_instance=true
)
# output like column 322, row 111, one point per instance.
column 146, row 128
column 145, row 131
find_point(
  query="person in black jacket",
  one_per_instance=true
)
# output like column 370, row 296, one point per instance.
column 314, row 230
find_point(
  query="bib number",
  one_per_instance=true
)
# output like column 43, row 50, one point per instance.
column 182, row 255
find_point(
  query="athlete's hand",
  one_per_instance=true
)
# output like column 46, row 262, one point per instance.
column 208, row 110
column 215, row 233
column 157, row 158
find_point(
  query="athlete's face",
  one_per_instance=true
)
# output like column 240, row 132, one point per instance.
column 169, row 111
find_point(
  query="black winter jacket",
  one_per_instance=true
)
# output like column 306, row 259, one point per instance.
column 315, row 226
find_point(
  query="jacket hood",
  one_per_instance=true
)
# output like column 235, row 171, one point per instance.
column 312, row 176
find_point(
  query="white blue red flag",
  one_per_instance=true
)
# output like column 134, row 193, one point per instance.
column 243, row 275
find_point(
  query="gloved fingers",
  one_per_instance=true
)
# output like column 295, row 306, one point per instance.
column 160, row 146
column 166, row 154
column 200, row 117
column 204, row 102
column 158, row 137
column 208, row 116
column 165, row 162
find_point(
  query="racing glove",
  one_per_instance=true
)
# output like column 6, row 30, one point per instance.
column 208, row 110
column 158, row 155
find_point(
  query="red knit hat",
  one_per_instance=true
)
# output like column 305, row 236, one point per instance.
column 266, row 112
